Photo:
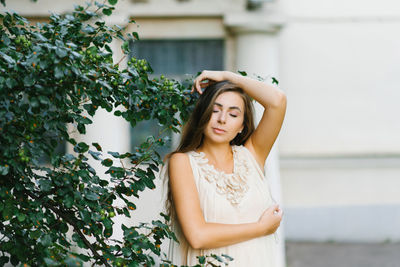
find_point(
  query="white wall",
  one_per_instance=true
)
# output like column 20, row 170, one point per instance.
column 343, row 87
column 340, row 145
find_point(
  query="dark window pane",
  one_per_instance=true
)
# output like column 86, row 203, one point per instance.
column 178, row 59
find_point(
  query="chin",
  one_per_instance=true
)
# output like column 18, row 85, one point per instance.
column 219, row 139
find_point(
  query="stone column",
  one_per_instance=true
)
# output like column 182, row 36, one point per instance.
column 112, row 133
column 256, row 52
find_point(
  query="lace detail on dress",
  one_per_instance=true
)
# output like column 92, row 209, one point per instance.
column 234, row 185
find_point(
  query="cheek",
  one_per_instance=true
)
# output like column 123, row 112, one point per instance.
column 213, row 118
column 238, row 124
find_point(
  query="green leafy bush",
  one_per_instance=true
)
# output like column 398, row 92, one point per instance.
column 59, row 73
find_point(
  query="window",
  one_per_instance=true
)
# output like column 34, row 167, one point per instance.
column 177, row 59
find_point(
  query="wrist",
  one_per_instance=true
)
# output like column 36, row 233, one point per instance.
column 259, row 229
column 230, row 76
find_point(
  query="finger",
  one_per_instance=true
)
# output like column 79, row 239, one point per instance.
column 279, row 214
column 199, row 88
column 194, row 87
column 197, row 84
column 199, row 79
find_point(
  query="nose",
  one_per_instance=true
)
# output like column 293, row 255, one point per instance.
column 222, row 117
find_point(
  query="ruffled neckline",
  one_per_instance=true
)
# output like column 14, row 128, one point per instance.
column 204, row 160
column 233, row 185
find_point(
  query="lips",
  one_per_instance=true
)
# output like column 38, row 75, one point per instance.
column 218, row 130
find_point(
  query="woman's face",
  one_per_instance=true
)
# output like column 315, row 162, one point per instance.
column 226, row 119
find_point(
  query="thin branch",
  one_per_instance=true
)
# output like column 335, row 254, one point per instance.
column 121, row 60
column 100, row 7
column 134, row 167
column 89, row 5
column 84, row 101
column 73, row 224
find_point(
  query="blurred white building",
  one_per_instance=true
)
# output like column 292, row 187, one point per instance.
column 338, row 155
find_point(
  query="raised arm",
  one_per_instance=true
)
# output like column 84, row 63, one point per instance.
column 199, row 233
column 272, row 99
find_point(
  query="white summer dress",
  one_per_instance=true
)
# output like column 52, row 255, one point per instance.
column 240, row 197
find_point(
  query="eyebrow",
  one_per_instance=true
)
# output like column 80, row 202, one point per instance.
column 232, row 107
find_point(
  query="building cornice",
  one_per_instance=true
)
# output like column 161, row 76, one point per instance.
column 248, row 22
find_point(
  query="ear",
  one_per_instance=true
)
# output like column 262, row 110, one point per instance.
column 241, row 129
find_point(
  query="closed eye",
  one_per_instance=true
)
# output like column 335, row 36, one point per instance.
column 233, row 115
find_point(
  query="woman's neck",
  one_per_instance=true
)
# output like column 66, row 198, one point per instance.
column 217, row 153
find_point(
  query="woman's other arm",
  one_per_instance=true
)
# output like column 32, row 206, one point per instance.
column 199, row 233
column 272, row 99
column 274, row 102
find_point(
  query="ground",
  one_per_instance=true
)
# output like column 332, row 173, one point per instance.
column 332, row 254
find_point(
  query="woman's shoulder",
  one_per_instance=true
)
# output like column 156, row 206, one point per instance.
column 178, row 158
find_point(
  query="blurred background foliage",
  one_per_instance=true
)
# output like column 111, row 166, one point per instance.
column 54, row 77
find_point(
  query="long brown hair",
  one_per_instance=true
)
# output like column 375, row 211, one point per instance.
column 192, row 134
column 193, row 131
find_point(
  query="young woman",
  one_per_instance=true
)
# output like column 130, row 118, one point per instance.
column 219, row 199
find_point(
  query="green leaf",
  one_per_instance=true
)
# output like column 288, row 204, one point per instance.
column 85, row 215
column 9, row 59
column 50, row 262
column 136, row 35
column 107, row 162
column 127, row 252
column 73, row 261
column 44, row 100
column 149, row 183
column 112, row 2
column 107, row 11
column 35, row 234
column 14, row 260
column 202, row 259
column 84, row 257
column 227, row 257
column 114, row 154
column 243, row 73
column 140, row 173
column 45, row 185
column 97, row 146
column 4, row 169
column 8, row 212
column 68, row 201
column 92, row 196
column 34, row 102
column 81, row 147
column 11, row 83
column 61, row 52
column 3, row 259
column 45, row 240
column 28, row 80
column 81, row 128
column 218, row 258
column 58, row 72
column 63, row 228
column 107, row 223
column 39, row 36
column 95, row 155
